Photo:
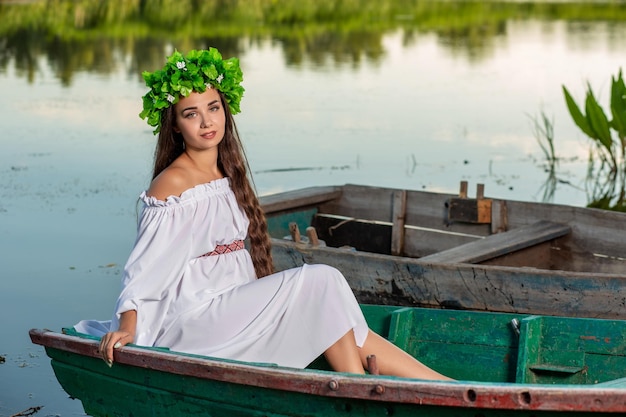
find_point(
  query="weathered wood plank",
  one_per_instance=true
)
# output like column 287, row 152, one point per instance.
column 383, row 279
column 593, row 230
column 539, row 256
column 469, row 210
column 558, row 350
column 398, row 220
column 499, row 222
column 421, row 241
column 501, row 243
column 422, row 208
column 298, row 199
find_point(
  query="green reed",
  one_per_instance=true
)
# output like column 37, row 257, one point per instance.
column 543, row 130
column 606, row 176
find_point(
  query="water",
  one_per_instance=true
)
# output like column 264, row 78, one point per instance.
column 425, row 110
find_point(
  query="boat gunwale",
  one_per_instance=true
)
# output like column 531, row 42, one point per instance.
column 304, row 247
column 465, row 394
column 409, row 282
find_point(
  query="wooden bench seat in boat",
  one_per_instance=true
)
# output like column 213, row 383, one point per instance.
column 500, row 244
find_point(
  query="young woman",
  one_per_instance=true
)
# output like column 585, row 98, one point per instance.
column 190, row 284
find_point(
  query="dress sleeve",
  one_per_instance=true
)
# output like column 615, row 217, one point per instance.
column 154, row 267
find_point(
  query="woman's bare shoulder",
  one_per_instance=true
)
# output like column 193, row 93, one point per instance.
column 171, row 182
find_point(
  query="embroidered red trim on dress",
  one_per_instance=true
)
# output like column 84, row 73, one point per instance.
column 222, row 249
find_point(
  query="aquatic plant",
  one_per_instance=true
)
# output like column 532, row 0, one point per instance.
column 606, row 177
column 543, row 130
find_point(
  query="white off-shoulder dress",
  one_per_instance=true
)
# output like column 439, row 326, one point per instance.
column 215, row 305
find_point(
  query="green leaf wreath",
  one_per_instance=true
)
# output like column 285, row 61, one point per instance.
column 195, row 72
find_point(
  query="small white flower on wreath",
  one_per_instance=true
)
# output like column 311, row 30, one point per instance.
column 170, row 98
column 208, row 86
column 219, row 78
column 181, row 65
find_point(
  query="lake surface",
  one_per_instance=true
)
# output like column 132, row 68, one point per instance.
column 422, row 107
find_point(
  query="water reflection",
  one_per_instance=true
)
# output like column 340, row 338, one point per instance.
column 93, row 36
column 100, row 38
column 108, row 38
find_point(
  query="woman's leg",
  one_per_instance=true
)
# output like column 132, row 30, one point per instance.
column 392, row 360
column 344, row 355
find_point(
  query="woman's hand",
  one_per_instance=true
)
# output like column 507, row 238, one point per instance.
column 113, row 340
column 124, row 335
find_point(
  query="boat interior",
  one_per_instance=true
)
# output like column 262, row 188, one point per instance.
column 444, row 228
column 502, row 347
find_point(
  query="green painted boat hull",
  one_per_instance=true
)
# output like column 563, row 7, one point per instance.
column 556, row 366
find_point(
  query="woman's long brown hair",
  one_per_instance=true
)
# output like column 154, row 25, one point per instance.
column 232, row 162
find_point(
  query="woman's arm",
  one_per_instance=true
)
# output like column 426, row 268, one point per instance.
column 118, row 338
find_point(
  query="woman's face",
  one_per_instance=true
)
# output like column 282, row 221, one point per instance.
column 201, row 119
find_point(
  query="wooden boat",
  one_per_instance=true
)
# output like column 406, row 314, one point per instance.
column 504, row 364
column 418, row 248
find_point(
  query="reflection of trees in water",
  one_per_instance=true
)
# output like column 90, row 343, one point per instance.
column 338, row 48
column 467, row 29
column 475, row 43
column 96, row 36
column 64, row 58
column 98, row 56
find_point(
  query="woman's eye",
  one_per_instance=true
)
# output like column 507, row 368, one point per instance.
column 214, row 108
column 190, row 115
